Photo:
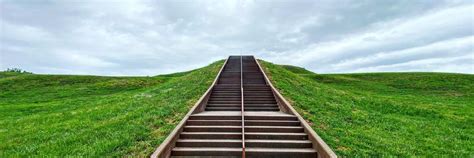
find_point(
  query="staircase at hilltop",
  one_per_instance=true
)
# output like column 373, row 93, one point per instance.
column 240, row 116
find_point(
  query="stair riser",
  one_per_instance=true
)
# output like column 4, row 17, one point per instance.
column 260, row 105
column 277, row 145
column 211, row 109
column 277, row 137
column 275, row 130
column 223, row 105
column 252, row 123
column 259, row 99
column 274, row 109
column 226, row 93
column 224, row 102
column 257, row 95
column 210, row 136
column 214, row 123
column 260, row 102
column 209, row 144
column 203, row 129
column 224, row 99
column 270, row 118
column 215, row 117
column 207, row 153
column 279, row 154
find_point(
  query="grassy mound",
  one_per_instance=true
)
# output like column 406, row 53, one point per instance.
column 58, row 115
column 375, row 114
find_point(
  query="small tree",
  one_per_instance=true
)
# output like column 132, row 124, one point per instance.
column 17, row 70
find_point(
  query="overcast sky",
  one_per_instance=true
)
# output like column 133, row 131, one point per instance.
column 119, row 37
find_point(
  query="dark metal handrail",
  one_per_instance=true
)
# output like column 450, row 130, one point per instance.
column 242, row 106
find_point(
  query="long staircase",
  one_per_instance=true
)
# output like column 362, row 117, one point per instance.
column 241, row 116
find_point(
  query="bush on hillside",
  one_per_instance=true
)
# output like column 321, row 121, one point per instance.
column 17, row 70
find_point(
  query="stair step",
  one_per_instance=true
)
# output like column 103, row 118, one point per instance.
column 210, row 135
column 247, row 95
column 193, row 151
column 280, row 152
column 262, row 143
column 211, row 117
column 224, row 105
column 251, row 92
column 225, row 96
column 227, row 89
column 259, row 99
column 224, row 102
column 270, row 123
column 214, row 122
column 271, row 118
column 211, row 143
column 223, row 109
column 271, row 97
column 212, row 129
column 234, row 90
column 278, row 136
column 260, row 105
column 224, row 99
column 267, row 108
column 274, row 129
column 246, row 90
column 257, row 91
column 227, row 81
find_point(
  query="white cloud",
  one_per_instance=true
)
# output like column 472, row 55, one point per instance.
column 443, row 49
column 427, row 36
column 147, row 37
column 454, row 64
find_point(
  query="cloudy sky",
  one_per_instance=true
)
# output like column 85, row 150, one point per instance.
column 120, row 37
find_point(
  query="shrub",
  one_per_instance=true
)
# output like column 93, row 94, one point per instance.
column 17, row 70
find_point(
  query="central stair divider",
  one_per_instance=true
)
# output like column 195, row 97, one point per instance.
column 242, row 107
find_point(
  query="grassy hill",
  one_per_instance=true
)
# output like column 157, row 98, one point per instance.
column 375, row 114
column 371, row 114
column 58, row 115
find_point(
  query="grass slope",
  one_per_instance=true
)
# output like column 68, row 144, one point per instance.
column 57, row 115
column 375, row 114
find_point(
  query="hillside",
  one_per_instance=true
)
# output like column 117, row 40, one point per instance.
column 371, row 114
column 58, row 115
column 375, row 114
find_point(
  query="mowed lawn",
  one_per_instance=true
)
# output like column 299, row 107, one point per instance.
column 380, row 114
column 59, row 115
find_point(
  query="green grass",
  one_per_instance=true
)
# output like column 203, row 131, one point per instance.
column 59, row 115
column 372, row 114
column 378, row 114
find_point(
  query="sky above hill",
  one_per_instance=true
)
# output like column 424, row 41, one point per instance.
column 119, row 37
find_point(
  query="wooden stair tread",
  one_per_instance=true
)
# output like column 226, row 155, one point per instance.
column 281, row 150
